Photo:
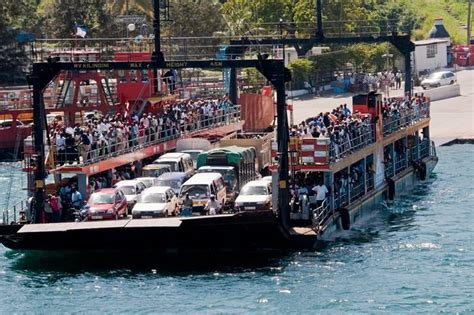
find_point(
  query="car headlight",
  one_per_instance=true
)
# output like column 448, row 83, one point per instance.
column 110, row 211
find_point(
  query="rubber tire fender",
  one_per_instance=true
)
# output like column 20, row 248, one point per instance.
column 345, row 218
column 423, row 171
column 391, row 188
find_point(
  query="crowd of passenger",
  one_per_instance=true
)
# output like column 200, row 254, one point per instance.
column 365, row 82
column 347, row 131
column 401, row 112
column 110, row 134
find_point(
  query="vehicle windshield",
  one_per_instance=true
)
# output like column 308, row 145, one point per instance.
column 254, row 190
column 175, row 184
column 194, row 155
column 436, row 75
column 172, row 165
column 147, row 182
column 227, row 175
column 196, row 191
column 100, row 199
column 152, row 198
column 128, row 190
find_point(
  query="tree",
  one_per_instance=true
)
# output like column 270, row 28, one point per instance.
column 60, row 18
column 301, row 71
column 14, row 16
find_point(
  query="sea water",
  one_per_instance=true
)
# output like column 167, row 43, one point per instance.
column 415, row 255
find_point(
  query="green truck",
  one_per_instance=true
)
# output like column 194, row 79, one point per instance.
column 236, row 164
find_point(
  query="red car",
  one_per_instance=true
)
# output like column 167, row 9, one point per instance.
column 107, row 204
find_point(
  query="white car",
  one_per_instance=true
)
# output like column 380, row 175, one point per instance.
column 155, row 202
column 148, row 181
column 255, row 195
column 131, row 189
column 437, row 79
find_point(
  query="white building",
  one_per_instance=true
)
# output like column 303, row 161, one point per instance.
column 430, row 54
column 291, row 54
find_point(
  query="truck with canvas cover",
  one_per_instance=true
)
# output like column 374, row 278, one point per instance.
column 236, row 164
column 262, row 142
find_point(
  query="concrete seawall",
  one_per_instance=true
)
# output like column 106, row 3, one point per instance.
column 443, row 92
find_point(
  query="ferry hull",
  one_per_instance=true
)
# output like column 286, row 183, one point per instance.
column 237, row 233
column 404, row 182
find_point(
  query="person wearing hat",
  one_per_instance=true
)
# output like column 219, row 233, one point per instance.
column 212, row 206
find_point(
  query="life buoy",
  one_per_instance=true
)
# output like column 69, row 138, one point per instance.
column 391, row 188
column 345, row 218
column 423, row 171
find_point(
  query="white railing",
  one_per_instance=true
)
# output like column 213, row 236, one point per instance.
column 351, row 144
column 81, row 155
column 321, row 214
column 404, row 118
column 12, row 215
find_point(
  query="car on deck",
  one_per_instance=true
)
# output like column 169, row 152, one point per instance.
column 255, row 195
column 147, row 181
column 131, row 189
column 107, row 204
column 154, row 202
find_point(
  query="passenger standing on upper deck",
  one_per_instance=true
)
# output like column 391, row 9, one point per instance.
column 346, row 111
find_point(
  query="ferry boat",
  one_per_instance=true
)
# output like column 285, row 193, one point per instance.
column 393, row 156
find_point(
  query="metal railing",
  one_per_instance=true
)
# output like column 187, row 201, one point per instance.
column 425, row 149
column 84, row 155
column 321, row 214
column 389, row 170
column 341, row 200
column 352, row 143
column 404, row 117
column 400, row 165
column 357, row 191
column 369, row 182
column 11, row 215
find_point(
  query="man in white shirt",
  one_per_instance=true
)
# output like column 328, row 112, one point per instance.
column 321, row 190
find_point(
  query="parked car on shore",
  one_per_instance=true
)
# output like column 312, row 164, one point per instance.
column 107, row 204
column 155, row 202
column 437, row 79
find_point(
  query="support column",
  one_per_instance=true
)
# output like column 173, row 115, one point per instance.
column 233, row 97
column 157, row 55
column 82, row 184
column 417, row 145
column 348, row 172
column 38, row 127
column 319, row 19
column 408, row 78
column 364, row 165
column 282, row 140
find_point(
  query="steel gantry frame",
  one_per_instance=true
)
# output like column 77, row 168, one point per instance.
column 44, row 72
column 303, row 45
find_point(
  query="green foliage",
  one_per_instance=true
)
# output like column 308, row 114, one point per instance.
column 301, row 71
column 59, row 18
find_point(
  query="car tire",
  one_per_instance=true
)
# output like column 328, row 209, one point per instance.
column 438, row 85
column 423, row 87
column 451, row 83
